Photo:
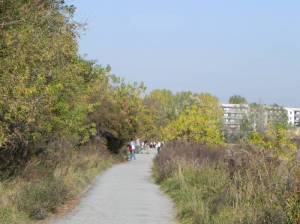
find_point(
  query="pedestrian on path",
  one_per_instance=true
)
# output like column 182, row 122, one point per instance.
column 158, row 146
column 133, row 148
column 129, row 150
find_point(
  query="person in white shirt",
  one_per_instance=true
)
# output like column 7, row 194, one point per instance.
column 158, row 146
column 133, row 151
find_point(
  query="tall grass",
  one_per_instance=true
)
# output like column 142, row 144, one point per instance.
column 49, row 181
column 214, row 185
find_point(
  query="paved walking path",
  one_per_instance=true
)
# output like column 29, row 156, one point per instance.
column 124, row 194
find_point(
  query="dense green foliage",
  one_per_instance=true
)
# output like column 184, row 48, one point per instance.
column 58, row 112
column 237, row 99
column 48, row 93
column 164, row 107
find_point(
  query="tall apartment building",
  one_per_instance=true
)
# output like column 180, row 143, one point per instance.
column 293, row 116
column 233, row 115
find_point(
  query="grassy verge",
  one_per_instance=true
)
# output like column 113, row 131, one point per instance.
column 49, row 181
column 215, row 186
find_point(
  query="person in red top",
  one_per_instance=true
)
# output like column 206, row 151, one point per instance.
column 129, row 148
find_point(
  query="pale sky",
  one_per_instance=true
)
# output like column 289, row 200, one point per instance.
column 225, row 47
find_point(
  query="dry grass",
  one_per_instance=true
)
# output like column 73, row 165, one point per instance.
column 51, row 180
column 214, row 185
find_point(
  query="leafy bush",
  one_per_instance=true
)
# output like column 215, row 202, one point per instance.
column 38, row 199
column 276, row 140
column 6, row 215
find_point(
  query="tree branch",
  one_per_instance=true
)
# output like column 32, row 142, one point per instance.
column 3, row 24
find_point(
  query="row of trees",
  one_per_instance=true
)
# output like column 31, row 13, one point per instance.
column 199, row 118
column 185, row 115
column 48, row 93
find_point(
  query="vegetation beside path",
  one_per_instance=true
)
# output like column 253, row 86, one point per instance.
column 255, row 180
column 64, row 119
column 47, row 184
column 218, row 185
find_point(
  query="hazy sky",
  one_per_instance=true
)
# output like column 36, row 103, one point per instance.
column 225, row 47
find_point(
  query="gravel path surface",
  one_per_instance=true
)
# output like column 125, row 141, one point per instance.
column 124, row 194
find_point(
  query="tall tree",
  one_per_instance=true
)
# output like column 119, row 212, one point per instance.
column 183, row 100
column 48, row 93
column 237, row 99
column 40, row 74
column 200, row 123
column 160, row 103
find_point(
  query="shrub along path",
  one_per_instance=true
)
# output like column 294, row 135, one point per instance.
column 124, row 194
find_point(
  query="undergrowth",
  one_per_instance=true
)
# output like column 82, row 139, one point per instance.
column 50, row 180
column 218, row 186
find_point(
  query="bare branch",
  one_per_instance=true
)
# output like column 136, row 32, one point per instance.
column 11, row 23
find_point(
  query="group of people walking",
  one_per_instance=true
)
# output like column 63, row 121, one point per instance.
column 155, row 145
column 133, row 146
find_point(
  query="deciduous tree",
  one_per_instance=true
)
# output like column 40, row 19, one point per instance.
column 200, row 123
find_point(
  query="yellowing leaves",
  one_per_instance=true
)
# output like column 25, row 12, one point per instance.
column 199, row 123
column 275, row 140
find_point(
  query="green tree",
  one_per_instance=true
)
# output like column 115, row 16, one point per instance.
column 50, row 94
column 237, row 99
column 183, row 100
column 163, row 107
column 41, row 76
column 118, row 111
column 200, row 123
column 260, row 117
column 277, row 115
column 160, row 105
